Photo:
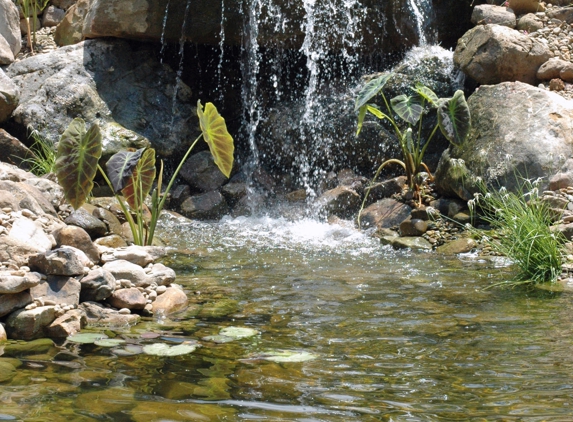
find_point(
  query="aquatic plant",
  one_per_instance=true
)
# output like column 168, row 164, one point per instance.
column 132, row 173
column 454, row 122
column 522, row 223
column 30, row 8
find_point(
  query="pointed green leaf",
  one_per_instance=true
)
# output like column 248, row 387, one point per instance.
column 120, row 167
column 140, row 183
column 372, row 108
column 409, row 108
column 370, row 90
column 217, row 137
column 427, row 94
column 361, row 116
column 76, row 161
column 454, row 118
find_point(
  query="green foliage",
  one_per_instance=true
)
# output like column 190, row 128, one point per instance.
column 522, row 222
column 31, row 8
column 43, row 159
column 132, row 173
column 405, row 113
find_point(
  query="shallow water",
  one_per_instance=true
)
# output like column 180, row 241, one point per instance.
column 398, row 336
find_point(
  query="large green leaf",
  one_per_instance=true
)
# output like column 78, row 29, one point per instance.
column 141, row 181
column 370, row 90
column 454, row 118
column 409, row 108
column 120, row 167
column 217, row 137
column 427, row 94
column 76, row 162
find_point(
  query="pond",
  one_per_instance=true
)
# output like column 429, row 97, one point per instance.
column 375, row 335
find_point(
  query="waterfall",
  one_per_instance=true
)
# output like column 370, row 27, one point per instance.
column 421, row 10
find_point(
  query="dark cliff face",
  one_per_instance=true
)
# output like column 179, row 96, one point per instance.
column 453, row 19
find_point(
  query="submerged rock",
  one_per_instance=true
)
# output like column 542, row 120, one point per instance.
column 172, row 300
column 30, row 324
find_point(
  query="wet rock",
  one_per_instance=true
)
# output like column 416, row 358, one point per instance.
column 98, row 315
column 70, row 323
column 298, row 195
column 64, row 261
column 57, row 290
column 84, row 219
column 386, row 189
column 122, row 269
column 218, row 309
column 9, row 98
column 415, row 243
column 207, row 206
column 78, row 238
column 138, row 255
column 456, row 246
column 10, row 284
column 97, row 285
column 385, row 213
column 10, row 38
column 30, row 324
column 12, row 302
column 462, row 218
column 161, row 275
column 341, row 201
column 489, row 13
column 173, row 300
column 130, row 298
column 201, row 172
column 234, row 192
column 413, row 227
column 425, row 213
column 178, row 194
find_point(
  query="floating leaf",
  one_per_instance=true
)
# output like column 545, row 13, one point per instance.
column 370, row 90
column 408, row 107
column 129, row 350
column 217, row 137
column 109, row 342
column 150, row 335
column 454, row 118
column 86, row 338
column 120, row 167
column 218, row 339
column 287, row 356
column 163, row 349
column 76, row 161
column 140, row 183
column 238, row 332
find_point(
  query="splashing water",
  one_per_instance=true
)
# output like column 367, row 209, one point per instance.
column 163, row 44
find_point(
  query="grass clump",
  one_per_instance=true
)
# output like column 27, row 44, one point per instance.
column 522, row 222
column 43, row 155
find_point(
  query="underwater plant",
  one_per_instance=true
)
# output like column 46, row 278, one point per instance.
column 454, row 122
column 132, row 173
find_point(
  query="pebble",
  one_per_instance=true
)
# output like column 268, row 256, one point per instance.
column 161, row 289
column 124, row 311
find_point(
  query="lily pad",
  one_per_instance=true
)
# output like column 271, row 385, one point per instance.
column 238, row 332
column 129, row 350
column 86, row 338
column 219, row 339
column 163, row 349
column 287, row 356
column 109, row 342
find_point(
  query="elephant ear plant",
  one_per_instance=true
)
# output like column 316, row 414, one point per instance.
column 453, row 120
column 132, row 173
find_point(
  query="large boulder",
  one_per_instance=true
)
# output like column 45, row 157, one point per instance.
column 135, row 99
column 491, row 54
column 10, row 38
column 518, row 130
column 9, row 97
column 490, row 13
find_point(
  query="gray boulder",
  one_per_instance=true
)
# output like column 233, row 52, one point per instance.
column 58, row 290
column 9, row 96
column 97, row 285
column 201, row 172
column 130, row 298
column 535, row 144
column 11, row 283
column 29, row 324
column 125, row 90
column 207, row 206
column 12, row 302
column 384, row 214
column 93, row 226
column 125, row 270
column 10, row 38
column 490, row 13
column 78, row 238
column 491, row 54
column 64, row 261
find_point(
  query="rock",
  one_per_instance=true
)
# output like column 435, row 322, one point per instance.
column 63, row 4
column 161, row 275
column 31, row 233
column 97, row 285
column 138, row 255
column 3, row 338
column 50, row 190
column 489, row 13
column 234, row 192
column 130, row 298
column 10, row 28
column 59, row 290
column 565, row 229
column 34, row 347
column 341, row 201
column 560, row 181
column 385, row 213
column 539, row 138
column 457, row 246
column 64, row 261
column 110, row 220
column 68, row 324
column 83, row 79
column 173, row 300
column 218, row 309
column 112, row 241
column 529, row 23
column 6, row 55
column 122, row 269
column 201, row 172
column 521, row 7
column 28, row 196
column 415, row 243
column 30, row 324
column 552, row 68
column 11, row 149
column 207, row 206
column 386, row 189
column 413, row 227
column 52, row 16
column 491, row 54
column 16, row 251
column 84, row 219
column 564, row 14
column 79, row 239
column 70, row 29
column 10, row 284
column 448, row 206
column 11, row 302
column 98, row 315
column 9, row 98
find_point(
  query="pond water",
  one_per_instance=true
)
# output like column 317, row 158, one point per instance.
column 384, row 336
